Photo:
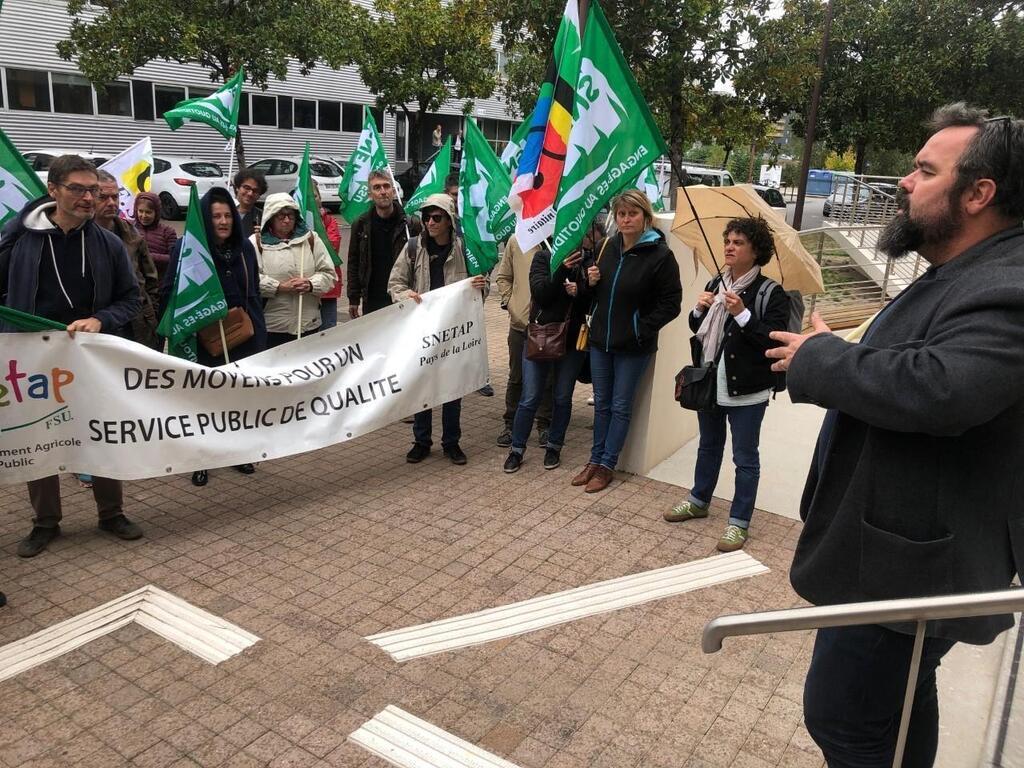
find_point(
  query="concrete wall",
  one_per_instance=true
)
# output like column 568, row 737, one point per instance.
column 660, row 427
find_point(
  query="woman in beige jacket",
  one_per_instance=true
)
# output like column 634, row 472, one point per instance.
column 295, row 270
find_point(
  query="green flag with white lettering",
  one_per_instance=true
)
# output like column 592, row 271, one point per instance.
column 432, row 182
column 197, row 299
column 648, row 183
column 306, row 201
column 613, row 137
column 367, row 156
column 19, row 184
column 484, row 185
column 514, row 149
column 219, row 110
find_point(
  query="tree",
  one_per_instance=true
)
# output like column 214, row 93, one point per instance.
column 425, row 52
column 219, row 35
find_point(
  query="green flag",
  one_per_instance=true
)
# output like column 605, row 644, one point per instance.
column 613, row 136
column 18, row 182
column 29, row 322
column 219, row 110
column 484, row 185
column 433, row 182
column 648, row 183
column 367, row 156
column 197, row 299
column 306, row 201
column 514, row 149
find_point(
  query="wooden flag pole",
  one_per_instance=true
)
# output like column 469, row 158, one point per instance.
column 302, row 260
column 223, row 342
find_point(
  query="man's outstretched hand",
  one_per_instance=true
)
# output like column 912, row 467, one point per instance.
column 791, row 342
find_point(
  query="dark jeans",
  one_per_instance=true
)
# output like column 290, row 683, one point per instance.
column 853, row 697
column 451, row 429
column 514, row 390
column 615, row 378
column 277, row 339
column 536, row 379
column 328, row 313
column 373, row 303
column 44, row 495
column 745, row 423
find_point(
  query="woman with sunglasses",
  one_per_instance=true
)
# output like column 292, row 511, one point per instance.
column 293, row 263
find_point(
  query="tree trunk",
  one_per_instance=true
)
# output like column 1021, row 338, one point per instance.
column 862, row 154
column 728, row 151
column 239, row 152
column 675, row 120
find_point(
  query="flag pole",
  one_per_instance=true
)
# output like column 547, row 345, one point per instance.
column 302, row 264
column 231, row 159
column 223, row 342
column 394, row 185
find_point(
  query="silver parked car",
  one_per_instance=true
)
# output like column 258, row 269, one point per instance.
column 282, row 175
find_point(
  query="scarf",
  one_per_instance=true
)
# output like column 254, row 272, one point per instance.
column 712, row 328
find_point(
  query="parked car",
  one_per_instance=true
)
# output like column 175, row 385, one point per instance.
column 174, row 177
column 712, row 177
column 772, row 196
column 39, row 159
column 283, row 174
column 401, row 179
column 859, row 200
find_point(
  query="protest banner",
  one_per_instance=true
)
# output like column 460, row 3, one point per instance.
column 102, row 405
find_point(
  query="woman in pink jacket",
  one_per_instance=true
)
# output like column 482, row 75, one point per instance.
column 160, row 238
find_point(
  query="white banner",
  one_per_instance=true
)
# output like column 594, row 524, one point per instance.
column 105, row 406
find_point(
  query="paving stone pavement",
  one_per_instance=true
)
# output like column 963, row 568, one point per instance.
column 314, row 552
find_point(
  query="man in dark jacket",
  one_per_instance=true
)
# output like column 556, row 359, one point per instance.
column 914, row 488
column 56, row 262
column 378, row 237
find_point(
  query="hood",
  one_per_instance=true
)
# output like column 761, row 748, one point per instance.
column 222, row 195
column 33, row 216
column 153, row 200
column 440, row 200
column 274, row 204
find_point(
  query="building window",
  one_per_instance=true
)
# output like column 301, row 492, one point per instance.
column 28, row 89
column 264, row 110
column 401, row 142
column 243, row 109
column 352, row 118
column 305, row 114
column 284, row 112
column 198, row 92
column 329, row 116
column 502, row 62
column 115, row 99
column 71, row 94
column 142, row 99
column 166, row 97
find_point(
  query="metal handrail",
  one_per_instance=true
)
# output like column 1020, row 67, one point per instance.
column 914, row 609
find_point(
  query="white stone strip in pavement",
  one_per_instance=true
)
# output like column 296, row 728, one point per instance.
column 561, row 607
column 194, row 630
column 408, row 742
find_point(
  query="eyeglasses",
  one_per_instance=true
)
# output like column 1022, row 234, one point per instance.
column 437, row 218
column 250, row 188
column 1007, row 122
column 77, row 190
column 286, row 214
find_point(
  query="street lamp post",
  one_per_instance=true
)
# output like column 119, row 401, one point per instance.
column 812, row 120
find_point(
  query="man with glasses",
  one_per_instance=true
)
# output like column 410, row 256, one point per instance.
column 56, row 262
column 914, row 487
column 250, row 185
column 378, row 236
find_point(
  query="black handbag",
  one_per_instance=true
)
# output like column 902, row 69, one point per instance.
column 697, row 385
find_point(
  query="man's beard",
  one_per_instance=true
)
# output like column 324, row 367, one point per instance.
column 906, row 233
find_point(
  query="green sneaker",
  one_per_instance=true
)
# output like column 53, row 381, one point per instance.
column 734, row 538
column 685, row 511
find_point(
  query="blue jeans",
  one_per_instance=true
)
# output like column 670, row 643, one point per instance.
column 615, row 378
column 328, row 313
column 853, row 697
column 451, row 428
column 745, row 422
column 535, row 377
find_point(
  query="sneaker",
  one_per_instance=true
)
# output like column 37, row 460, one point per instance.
column 685, row 511
column 455, row 454
column 122, row 527
column 552, row 458
column 513, row 463
column 245, row 469
column 200, row 478
column 734, row 538
column 486, row 390
column 505, row 438
column 542, row 438
column 584, row 475
column 417, row 453
column 601, row 479
column 37, row 540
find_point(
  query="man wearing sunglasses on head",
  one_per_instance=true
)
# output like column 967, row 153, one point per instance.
column 55, row 261
column 431, row 261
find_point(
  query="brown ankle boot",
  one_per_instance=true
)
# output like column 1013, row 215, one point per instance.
column 584, row 476
column 602, row 479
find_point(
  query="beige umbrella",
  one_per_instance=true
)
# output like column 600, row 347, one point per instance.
column 702, row 213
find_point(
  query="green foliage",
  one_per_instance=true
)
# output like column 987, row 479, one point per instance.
column 425, row 52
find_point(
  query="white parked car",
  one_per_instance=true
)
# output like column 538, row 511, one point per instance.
column 174, row 177
column 39, row 159
column 283, row 173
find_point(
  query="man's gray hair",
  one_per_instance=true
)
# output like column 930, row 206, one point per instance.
column 996, row 153
column 379, row 173
column 105, row 176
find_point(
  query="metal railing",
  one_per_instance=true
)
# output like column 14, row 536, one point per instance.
column 919, row 610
